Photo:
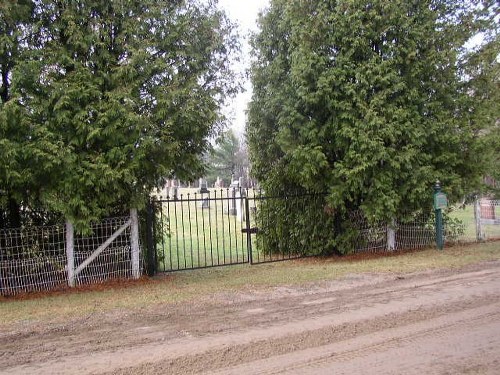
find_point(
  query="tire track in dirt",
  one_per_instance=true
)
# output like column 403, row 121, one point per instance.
column 267, row 327
column 369, row 349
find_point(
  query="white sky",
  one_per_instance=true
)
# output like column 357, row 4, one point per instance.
column 244, row 13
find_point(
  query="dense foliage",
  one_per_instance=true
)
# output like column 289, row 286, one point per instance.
column 371, row 102
column 483, row 68
column 101, row 100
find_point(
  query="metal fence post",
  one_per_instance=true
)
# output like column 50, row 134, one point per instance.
column 249, row 234
column 440, row 202
column 151, row 253
column 70, row 253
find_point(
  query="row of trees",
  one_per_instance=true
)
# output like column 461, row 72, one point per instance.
column 102, row 100
column 373, row 102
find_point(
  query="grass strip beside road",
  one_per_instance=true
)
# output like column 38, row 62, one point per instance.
column 201, row 284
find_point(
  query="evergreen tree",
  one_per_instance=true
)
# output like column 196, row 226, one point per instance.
column 366, row 101
column 124, row 93
column 19, row 155
column 228, row 159
column 482, row 69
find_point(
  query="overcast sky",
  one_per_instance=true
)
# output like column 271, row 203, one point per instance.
column 244, row 13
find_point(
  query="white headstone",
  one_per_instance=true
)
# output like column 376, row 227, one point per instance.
column 174, row 193
column 240, row 205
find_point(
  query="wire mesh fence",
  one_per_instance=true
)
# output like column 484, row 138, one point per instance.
column 114, row 262
column 221, row 227
column 410, row 231
column 34, row 259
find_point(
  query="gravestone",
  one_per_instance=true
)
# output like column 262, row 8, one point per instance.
column 219, row 183
column 174, row 190
column 203, row 186
column 205, row 197
column 487, row 209
column 240, row 205
column 233, row 189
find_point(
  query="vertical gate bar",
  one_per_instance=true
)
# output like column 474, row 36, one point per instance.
column 197, row 229
column 203, row 230
column 235, row 228
column 176, row 235
column 162, row 234
column 224, row 228
column 183, row 233
column 190, row 229
column 229, row 226
column 169, row 221
column 210, row 233
column 249, row 235
column 216, row 228
column 238, row 202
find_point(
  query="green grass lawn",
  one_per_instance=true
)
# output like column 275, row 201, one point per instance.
column 206, row 283
column 196, row 236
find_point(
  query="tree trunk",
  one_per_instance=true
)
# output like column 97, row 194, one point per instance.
column 14, row 213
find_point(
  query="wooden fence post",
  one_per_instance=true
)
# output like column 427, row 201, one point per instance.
column 391, row 236
column 134, row 243
column 70, row 253
column 477, row 216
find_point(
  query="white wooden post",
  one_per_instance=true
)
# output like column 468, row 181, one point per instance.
column 477, row 217
column 134, row 243
column 391, row 236
column 70, row 253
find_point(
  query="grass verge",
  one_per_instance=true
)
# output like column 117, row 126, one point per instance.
column 193, row 285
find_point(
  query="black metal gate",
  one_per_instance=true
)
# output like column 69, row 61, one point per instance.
column 209, row 229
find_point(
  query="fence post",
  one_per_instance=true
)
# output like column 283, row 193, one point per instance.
column 249, row 234
column 134, row 243
column 151, row 253
column 440, row 202
column 70, row 253
column 391, row 236
column 477, row 218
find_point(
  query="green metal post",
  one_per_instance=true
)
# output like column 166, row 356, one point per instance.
column 249, row 234
column 439, row 219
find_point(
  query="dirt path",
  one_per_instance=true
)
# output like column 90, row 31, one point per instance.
column 440, row 322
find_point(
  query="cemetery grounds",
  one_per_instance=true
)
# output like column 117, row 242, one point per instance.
column 413, row 313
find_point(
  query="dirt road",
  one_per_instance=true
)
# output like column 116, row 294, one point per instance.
column 437, row 322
